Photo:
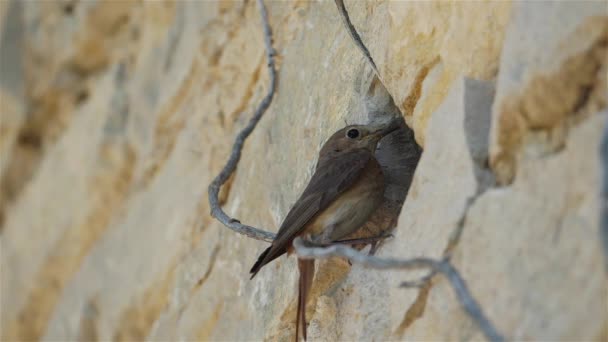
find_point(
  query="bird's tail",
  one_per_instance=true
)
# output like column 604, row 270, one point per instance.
column 307, row 272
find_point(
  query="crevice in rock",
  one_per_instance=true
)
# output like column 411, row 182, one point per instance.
column 411, row 100
column 416, row 310
column 201, row 282
column 88, row 330
column 249, row 91
column 212, row 260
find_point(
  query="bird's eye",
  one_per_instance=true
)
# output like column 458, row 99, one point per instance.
column 353, row 133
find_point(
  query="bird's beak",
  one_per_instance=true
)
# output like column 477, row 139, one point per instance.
column 384, row 130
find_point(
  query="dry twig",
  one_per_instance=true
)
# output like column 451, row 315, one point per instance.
column 307, row 250
column 237, row 148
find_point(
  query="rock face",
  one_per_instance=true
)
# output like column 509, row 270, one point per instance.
column 115, row 117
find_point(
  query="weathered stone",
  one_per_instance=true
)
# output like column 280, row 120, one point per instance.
column 129, row 109
column 604, row 198
column 552, row 73
column 11, row 51
column 446, row 168
column 465, row 38
column 478, row 99
column 538, row 240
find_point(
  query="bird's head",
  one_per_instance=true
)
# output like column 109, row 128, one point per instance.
column 356, row 137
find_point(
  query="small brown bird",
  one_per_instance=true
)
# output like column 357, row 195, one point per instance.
column 346, row 188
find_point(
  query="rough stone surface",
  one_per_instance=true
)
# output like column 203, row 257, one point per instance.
column 447, row 38
column 121, row 113
column 553, row 73
column 423, row 228
column 561, row 248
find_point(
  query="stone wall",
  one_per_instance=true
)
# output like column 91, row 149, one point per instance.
column 116, row 115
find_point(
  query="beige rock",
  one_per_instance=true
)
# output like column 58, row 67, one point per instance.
column 465, row 38
column 553, row 73
column 445, row 182
column 129, row 110
column 538, row 242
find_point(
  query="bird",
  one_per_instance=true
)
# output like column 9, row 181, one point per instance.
column 346, row 188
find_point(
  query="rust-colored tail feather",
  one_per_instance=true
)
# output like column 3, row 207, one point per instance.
column 307, row 272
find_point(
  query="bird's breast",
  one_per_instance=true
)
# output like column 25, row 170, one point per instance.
column 351, row 209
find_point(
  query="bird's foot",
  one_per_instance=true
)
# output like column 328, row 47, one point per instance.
column 374, row 248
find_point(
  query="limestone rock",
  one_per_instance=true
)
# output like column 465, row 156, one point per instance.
column 538, row 240
column 446, row 179
column 463, row 38
column 553, row 73
column 604, row 197
column 121, row 113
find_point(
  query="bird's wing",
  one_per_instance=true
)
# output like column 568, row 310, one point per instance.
column 325, row 185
